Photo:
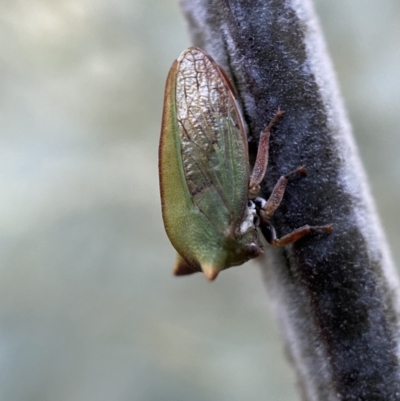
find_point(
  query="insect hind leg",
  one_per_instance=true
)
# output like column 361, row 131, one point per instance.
column 270, row 235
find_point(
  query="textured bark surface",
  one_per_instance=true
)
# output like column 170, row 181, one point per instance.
column 335, row 296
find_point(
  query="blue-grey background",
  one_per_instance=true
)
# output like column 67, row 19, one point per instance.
column 88, row 307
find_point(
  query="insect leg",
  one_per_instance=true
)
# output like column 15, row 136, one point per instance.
column 270, row 234
column 260, row 166
column 268, row 208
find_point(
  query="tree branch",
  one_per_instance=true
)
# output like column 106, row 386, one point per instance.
column 336, row 296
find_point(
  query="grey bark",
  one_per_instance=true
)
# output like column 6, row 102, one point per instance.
column 335, row 296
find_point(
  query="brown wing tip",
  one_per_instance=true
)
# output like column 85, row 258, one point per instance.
column 182, row 268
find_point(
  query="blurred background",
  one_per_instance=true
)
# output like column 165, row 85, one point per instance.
column 89, row 309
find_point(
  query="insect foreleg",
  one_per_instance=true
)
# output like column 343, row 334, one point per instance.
column 260, row 166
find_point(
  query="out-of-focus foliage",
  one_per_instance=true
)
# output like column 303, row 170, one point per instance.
column 88, row 307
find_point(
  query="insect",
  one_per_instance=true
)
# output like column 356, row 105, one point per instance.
column 209, row 198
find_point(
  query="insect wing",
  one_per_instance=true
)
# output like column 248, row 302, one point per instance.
column 213, row 140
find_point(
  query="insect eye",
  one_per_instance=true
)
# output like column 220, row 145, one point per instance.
column 251, row 206
column 253, row 251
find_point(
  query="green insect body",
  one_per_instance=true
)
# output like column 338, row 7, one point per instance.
column 204, row 169
column 205, row 179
